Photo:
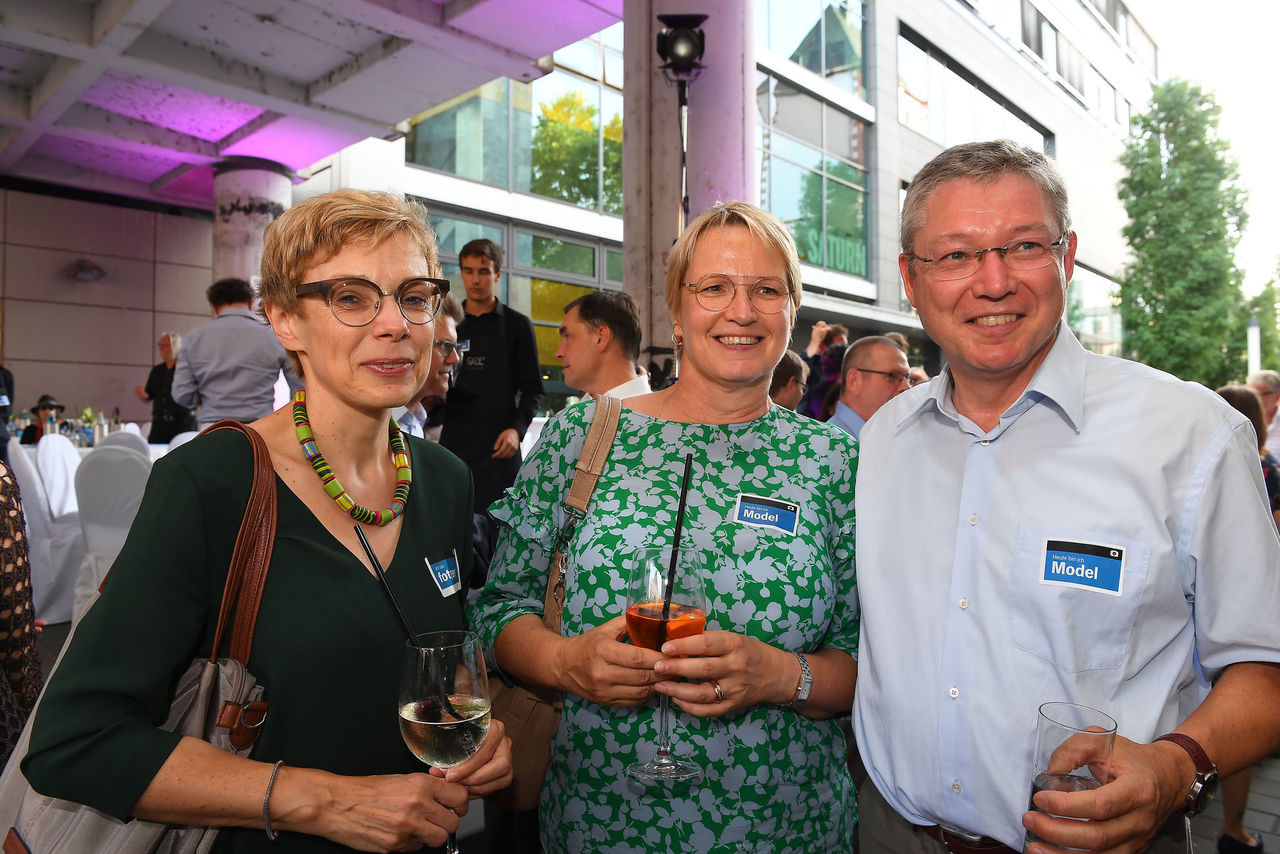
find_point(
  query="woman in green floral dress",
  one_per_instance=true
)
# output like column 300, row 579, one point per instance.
column 755, row 697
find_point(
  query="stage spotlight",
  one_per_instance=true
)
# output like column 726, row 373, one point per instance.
column 680, row 45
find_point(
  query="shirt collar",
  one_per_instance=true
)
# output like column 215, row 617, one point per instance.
column 1059, row 381
column 498, row 308
column 637, row 385
column 850, row 421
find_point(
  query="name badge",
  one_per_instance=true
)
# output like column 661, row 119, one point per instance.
column 1089, row 566
column 761, row 512
column 4, row 400
column 444, row 569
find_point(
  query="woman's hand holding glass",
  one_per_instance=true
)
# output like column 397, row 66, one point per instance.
column 399, row 812
column 747, row 671
column 597, row 665
column 488, row 769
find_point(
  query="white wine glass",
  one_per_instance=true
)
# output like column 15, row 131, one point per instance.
column 652, row 620
column 444, row 700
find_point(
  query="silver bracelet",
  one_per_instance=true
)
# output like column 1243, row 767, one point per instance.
column 266, row 803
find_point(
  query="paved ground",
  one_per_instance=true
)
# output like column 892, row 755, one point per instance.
column 1261, row 818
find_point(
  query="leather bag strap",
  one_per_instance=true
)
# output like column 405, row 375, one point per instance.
column 252, row 554
column 595, row 451
column 604, row 426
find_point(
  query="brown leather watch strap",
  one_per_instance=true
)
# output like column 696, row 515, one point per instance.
column 1198, row 757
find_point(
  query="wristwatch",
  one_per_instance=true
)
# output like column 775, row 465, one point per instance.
column 1205, row 784
column 806, row 683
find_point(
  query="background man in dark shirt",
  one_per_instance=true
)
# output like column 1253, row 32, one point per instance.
column 499, row 384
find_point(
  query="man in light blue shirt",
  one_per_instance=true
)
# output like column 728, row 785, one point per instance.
column 874, row 371
column 1094, row 530
column 229, row 366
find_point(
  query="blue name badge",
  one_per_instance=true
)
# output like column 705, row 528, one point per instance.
column 1089, row 566
column 444, row 569
column 761, row 512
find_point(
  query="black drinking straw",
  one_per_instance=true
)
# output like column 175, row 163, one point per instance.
column 675, row 540
column 441, row 695
column 386, row 587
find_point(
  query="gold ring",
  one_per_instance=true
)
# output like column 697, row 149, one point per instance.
column 719, row 693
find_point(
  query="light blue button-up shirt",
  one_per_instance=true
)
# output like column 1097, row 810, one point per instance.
column 847, row 420
column 968, row 622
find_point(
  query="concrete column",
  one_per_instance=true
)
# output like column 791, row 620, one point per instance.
column 248, row 193
column 721, row 152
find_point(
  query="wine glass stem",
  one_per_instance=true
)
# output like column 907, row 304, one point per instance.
column 664, row 728
column 451, row 844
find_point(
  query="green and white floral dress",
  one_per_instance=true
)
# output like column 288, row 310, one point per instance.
column 775, row 780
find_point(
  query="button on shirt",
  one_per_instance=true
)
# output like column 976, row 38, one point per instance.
column 967, row 630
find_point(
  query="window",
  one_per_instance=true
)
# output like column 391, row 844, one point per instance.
column 810, row 157
column 1071, row 65
column 1004, row 15
column 1143, row 47
column 823, row 36
column 559, row 136
column 1093, row 311
column 543, row 272
column 939, row 99
column 480, row 120
column 549, row 253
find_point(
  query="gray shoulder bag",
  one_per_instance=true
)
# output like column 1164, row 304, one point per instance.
column 216, row 700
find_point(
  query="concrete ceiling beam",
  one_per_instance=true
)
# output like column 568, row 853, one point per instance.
column 104, row 127
column 169, row 60
column 426, row 24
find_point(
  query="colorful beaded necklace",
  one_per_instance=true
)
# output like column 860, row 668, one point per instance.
column 399, row 455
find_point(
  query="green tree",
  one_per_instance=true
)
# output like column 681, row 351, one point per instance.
column 567, row 144
column 1180, row 300
column 1263, row 307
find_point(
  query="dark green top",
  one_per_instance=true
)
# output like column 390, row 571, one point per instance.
column 327, row 644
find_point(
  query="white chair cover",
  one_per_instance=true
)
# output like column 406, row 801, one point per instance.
column 126, row 439
column 183, row 438
column 109, row 484
column 57, row 460
column 55, row 548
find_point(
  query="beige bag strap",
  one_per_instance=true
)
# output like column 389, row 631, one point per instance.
column 595, row 451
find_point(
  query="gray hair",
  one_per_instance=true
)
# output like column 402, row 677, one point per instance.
column 982, row 161
column 175, row 341
column 864, row 345
column 450, row 307
column 1269, row 380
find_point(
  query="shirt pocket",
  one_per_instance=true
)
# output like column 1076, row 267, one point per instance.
column 1072, row 625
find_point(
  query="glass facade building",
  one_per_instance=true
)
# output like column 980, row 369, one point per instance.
column 848, row 95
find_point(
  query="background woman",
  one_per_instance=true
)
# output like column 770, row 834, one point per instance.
column 344, row 284
column 775, row 776
column 168, row 417
column 45, row 407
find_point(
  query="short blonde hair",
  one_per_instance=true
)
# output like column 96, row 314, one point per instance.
column 763, row 226
column 315, row 230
